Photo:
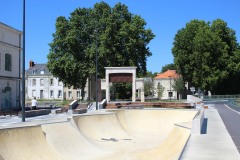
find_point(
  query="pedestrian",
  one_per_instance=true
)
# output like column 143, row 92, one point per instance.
column 34, row 104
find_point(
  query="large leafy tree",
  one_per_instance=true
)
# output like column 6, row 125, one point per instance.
column 207, row 55
column 170, row 66
column 160, row 90
column 148, row 74
column 148, row 87
column 118, row 36
column 179, row 86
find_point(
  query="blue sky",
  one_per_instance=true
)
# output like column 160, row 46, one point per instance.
column 163, row 17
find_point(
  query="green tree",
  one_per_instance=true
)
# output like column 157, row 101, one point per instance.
column 170, row 66
column 118, row 36
column 207, row 55
column 160, row 90
column 148, row 87
column 179, row 86
column 123, row 90
column 149, row 74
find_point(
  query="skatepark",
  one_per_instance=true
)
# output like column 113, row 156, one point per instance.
column 124, row 134
column 114, row 134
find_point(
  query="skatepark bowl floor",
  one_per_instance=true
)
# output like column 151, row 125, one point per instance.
column 109, row 135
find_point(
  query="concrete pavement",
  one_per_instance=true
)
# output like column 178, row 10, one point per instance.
column 214, row 143
column 231, row 119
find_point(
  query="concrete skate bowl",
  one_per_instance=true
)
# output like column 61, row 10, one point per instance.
column 114, row 135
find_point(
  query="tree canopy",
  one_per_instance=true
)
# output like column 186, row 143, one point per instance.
column 179, row 85
column 207, row 55
column 170, row 66
column 118, row 36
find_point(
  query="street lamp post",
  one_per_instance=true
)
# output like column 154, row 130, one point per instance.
column 96, row 72
column 170, row 92
column 23, row 66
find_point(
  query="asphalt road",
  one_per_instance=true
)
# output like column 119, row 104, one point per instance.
column 231, row 119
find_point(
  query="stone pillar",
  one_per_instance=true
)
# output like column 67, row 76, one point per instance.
column 134, row 87
column 142, row 93
column 107, row 86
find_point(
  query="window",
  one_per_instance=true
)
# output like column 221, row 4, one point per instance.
column 51, row 82
column 34, row 82
column 42, row 72
column 78, row 94
column 8, row 62
column 41, row 82
column 33, row 93
column 51, row 93
column 41, row 94
column 59, row 83
column 59, row 93
column 69, row 94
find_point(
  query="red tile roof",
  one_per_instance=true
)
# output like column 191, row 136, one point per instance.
column 167, row 74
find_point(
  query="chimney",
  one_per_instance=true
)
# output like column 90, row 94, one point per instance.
column 31, row 64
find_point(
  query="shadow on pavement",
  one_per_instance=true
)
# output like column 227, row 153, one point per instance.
column 204, row 126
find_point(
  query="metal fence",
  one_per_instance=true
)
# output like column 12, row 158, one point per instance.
column 221, row 97
column 233, row 100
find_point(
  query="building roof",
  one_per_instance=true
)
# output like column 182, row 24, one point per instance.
column 38, row 69
column 167, row 74
column 11, row 28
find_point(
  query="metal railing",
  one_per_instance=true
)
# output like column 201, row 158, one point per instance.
column 221, row 97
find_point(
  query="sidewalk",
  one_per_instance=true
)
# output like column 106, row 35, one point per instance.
column 216, row 143
column 14, row 121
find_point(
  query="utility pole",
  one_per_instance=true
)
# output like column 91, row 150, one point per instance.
column 96, row 71
column 23, row 66
column 170, row 92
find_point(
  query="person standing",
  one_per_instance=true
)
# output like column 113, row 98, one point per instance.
column 34, row 104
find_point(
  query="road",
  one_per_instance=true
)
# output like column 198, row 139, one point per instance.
column 231, row 119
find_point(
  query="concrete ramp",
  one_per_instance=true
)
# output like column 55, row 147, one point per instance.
column 111, row 135
column 141, row 122
column 137, row 134
column 66, row 140
column 170, row 148
column 26, row 143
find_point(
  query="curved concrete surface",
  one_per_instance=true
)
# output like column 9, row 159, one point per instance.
column 25, row 143
column 117, row 134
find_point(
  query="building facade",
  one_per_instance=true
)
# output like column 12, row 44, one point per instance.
column 166, row 80
column 10, row 53
column 41, row 83
column 75, row 94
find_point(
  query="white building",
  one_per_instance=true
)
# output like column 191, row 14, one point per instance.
column 10, row 51
column 41, row 83
column 166, row 80
column 75, row 94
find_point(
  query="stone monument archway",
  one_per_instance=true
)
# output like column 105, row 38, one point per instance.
column 120, row 74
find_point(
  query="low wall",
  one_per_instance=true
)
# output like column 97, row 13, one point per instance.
column 79, row 111
column 34, row 113
column 193, row 99
column 198, row 122
column 150, row 104
column 73, row 104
